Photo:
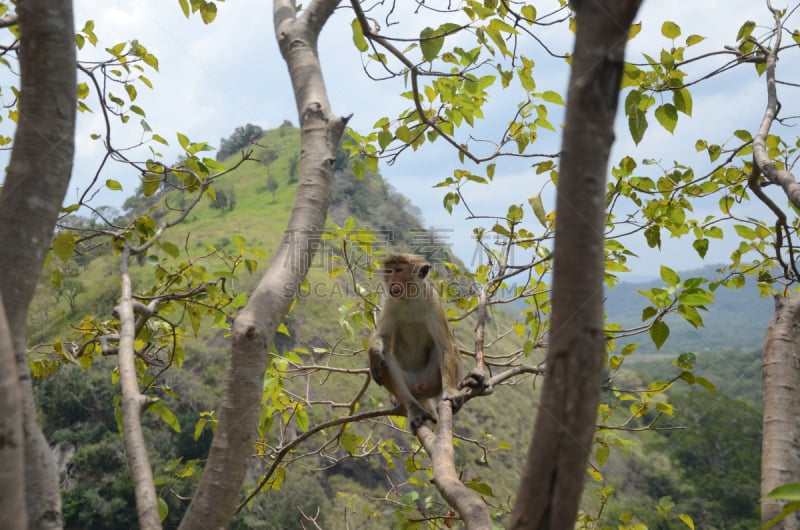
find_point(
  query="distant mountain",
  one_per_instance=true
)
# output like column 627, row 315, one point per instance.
column 737, row 320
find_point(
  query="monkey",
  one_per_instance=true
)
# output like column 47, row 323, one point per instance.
column 412, row 351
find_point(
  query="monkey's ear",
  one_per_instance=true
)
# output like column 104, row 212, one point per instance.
column 423, row 270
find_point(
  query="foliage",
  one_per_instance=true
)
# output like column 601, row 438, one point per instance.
column 719, row 454
column 241, row 138
column 190, row 274
column 272, row 185
column 225, row 200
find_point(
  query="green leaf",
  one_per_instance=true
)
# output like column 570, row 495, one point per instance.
column 151, row 61
column 163, row 509
column 682, row 99
column 666, row 408
column 601, row 454
column 659, row 333
column 705, row 383
column 538, row 209
column 358, row 36
column 687, row 359
column 183, row 140
column 240, row 300
column 790, row 508
column 113, row 185
column 701, row 246
column 481, row 487
column 745, row 232
column 700, row 298
column 669, row 276
column 553, row 97
column 170, row 248
column 430, row 43
column 653, row 236
column 131, row 90
column 117, row 49
column 403, row 134
column 83, row 90
column 691, row 40
column 302, row 419
column 690, row 315
column 166, row 415
column 787, row 492
column 198, row 428
column 450, row 199
column 514, row 214
column 64, row 245
column 667, row 116
column 529, row 12
column 208, row 12
column 635, row 29
column 282, row 329
column 670, row 30
column 746, row 29
column 637, row 124
column 184, row 7
column 384, row 139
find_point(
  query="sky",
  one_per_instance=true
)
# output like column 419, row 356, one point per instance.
column 217, row 77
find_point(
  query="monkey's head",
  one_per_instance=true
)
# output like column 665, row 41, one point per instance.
column 403, row 274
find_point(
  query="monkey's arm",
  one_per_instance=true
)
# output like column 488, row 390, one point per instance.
column 449, row 361
column 377, row 361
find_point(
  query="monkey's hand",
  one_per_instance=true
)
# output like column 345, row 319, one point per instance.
column 477, row 380
column 417, row 416
column 456, row 399
column 377, row 364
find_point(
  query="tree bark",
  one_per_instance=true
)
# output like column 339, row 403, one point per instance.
column 553, row 477
column 780, row 451
column 36, row 181
column 439, row 446
column 214, row 503
column 12, row 440
column 133, row 402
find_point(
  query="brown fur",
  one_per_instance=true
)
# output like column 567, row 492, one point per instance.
column 412, row 351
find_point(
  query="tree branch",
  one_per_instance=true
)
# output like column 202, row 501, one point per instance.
column 439, row 446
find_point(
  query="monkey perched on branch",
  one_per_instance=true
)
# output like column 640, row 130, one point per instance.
column 412, row 351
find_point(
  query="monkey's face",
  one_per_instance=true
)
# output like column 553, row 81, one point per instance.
column 398, row 276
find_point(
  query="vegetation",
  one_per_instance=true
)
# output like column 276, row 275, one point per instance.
column 77, row 407
column 200, row 439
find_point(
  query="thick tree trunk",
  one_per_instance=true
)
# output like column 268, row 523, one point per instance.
column 780, row 451
column 12, row 440
column 214, row 503
column 552, row 481
column 37, row 179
